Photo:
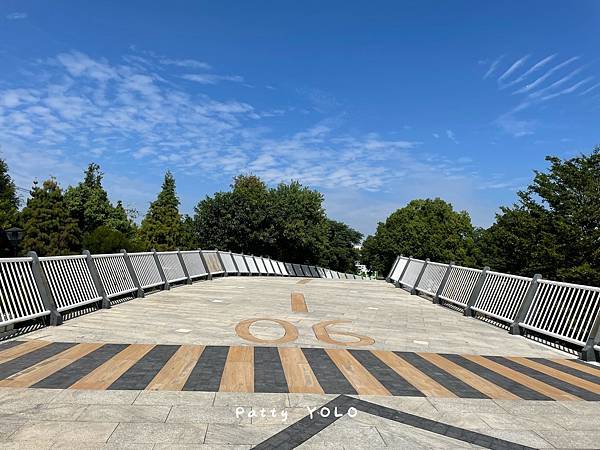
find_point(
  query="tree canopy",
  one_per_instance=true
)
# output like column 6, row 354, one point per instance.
column 554, row 228
column 48, row 227
column 286, row 222
column 9, row 201
column 427, row 228
column 162, row 225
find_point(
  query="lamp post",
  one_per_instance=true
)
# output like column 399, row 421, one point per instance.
column 14, row 236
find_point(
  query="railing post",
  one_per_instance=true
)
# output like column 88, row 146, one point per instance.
column 522, row 312
column 436, row 299
column 166, row 285
column 132, row 274
column 258, row 274
column 476, row 291
column 413, row 291
column 235, row 264
column 44, row 289
column 221, row 261
column 96, row 279
column 245, row 263
column 397, row 283
column 387, row 279
column 209, row 275
column 589, row 353
column 184, row 267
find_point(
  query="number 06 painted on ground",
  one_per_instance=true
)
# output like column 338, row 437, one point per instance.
column 291, row 332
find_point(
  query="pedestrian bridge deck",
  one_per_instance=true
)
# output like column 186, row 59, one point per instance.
column 172, row 368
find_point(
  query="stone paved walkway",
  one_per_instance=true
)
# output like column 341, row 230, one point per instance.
column 122, row 404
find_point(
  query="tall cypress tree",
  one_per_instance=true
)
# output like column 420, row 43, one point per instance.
column 9, row 201
column 47, row 225
column 162, row 225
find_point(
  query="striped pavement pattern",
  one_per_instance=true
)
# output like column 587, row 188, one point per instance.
column 61, row 365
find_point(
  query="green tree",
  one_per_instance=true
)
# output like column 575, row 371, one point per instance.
column 9, row 201
column 105, row 239
column 48, row 227
column 554, row 228
column 422, row 229
column 340, row 252
column 239, row 220
column 189, row 236
column 299, row 223
column 287, row 222
column 162, row 225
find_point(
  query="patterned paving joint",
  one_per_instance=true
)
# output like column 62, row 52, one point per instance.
column 60, row 365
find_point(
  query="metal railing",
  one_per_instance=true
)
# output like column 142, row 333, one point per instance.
column 262, row 269
column 70, row 281
column 172, row 267
column 20, row 299
column 240, row 262
column 251, row 262
column 410, row 277
column 146, row 269
column 114, row 274
column 562, row 310
column 228, row 263
column 269, row 266
column 194, row 264
column 559, row 314
column 501, row 296
column 213, row 262
column 432, row 278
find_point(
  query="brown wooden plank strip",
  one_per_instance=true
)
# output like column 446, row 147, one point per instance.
column 359, row 377
column 563, row 376
column 474, row 380
column 414, row 376
column 304, row 281
column 20, row 350
column 299, row 302
column 111, row 370
column 531, row 383
column 174, row 374
column 38, row 372
column 576, row 365
column 298, row 373
column 238, row 374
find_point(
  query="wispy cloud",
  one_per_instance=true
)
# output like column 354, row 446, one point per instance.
column 493, row 66
column 187, row 63
column 207, row 78
column 451, row 136
column 540, row 80
column 77, row 107
column 531, row 70
column 518, row 63
column 533, row 89
column 16, row 16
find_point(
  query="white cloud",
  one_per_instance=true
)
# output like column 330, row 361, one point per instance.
column 208, row 78
column 540, row 80
column 493, row 67
column 513, row 68
column 187, row 63
column 451, row 136
column 16, row 16
column 136, row 114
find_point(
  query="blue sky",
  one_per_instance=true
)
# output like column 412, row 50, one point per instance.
column 373, row 103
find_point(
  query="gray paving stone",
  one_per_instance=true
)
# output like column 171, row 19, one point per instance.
column 572, row 439
column 241, row 434
column 159, row 433
column 64, row 431
column 89, row 397
column 175, row 398
column 255, row 399
column 213, row 414
column 124, row 413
